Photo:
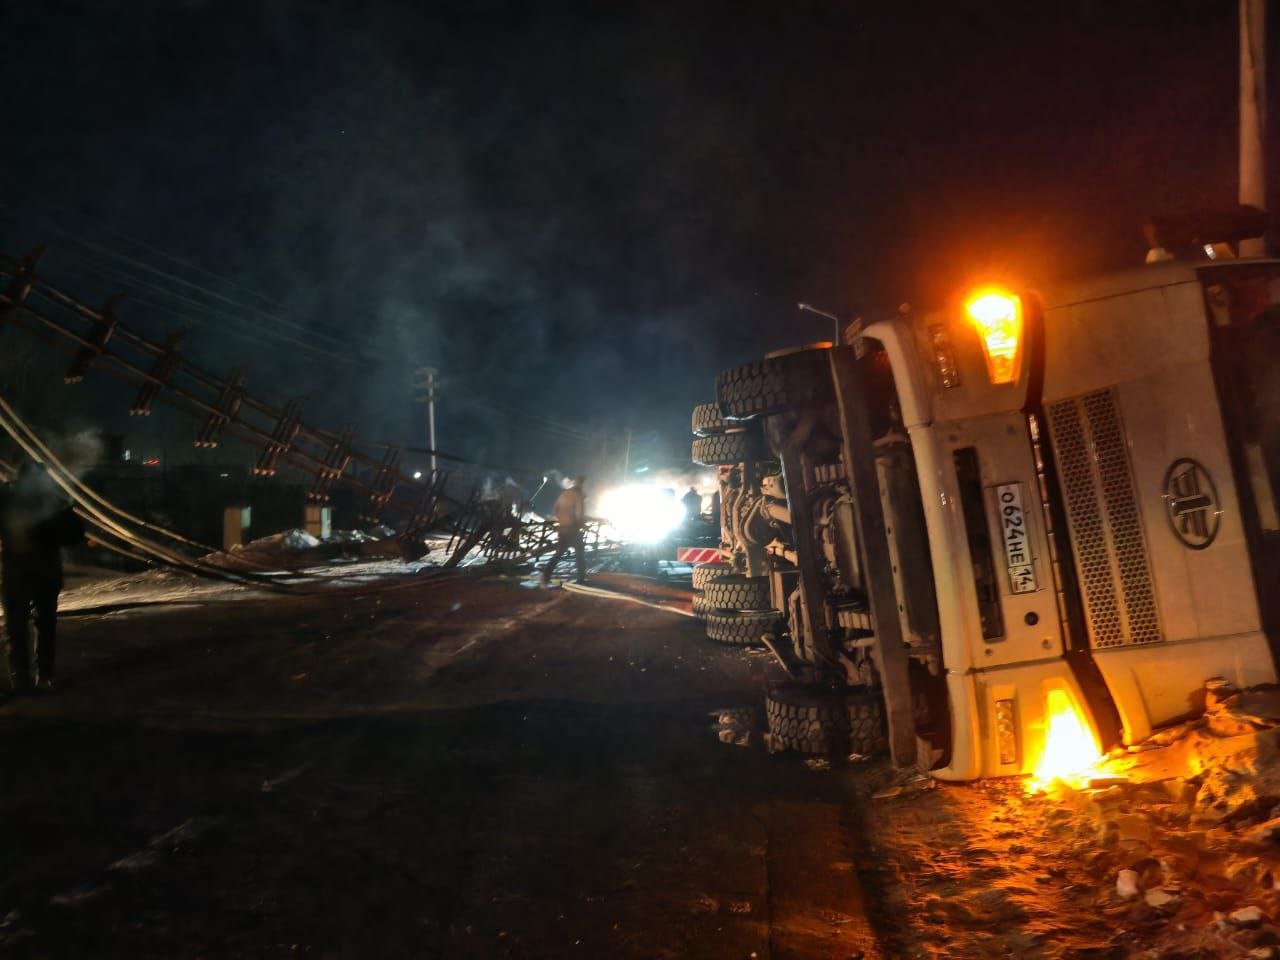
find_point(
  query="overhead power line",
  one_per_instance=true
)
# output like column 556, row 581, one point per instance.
column 256, row 332
column 257, row 312
column 51, row 212
column 130, row 266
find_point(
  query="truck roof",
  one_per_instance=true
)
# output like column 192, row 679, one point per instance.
column 1146, row 277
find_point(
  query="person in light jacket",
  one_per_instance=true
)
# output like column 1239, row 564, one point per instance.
column 570, row 511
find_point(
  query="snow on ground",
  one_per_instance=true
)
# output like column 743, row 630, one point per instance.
column 104, row 589
column 159, row 586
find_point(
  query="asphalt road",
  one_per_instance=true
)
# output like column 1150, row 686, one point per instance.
column 461, row 769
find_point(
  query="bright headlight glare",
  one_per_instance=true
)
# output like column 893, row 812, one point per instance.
column 641, row 513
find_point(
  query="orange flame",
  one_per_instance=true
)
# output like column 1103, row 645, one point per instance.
column 1071, row 754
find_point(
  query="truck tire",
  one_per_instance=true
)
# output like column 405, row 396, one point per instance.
column 707, row 420
column 703, row 572
column 736, row 592
column 812, row 721
column 774, row 384
column 741, row 628
column 727, row 449
column 867, row 734
column 699, row 605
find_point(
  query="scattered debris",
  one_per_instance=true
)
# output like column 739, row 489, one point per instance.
column 1127, row 884
column 1246, row 917
column 1168, row 735
column 890, row 782
column 1162, row 899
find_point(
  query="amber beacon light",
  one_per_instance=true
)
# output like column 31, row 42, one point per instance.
column 997, row 316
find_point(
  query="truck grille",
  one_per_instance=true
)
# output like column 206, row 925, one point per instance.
column 1106, row 528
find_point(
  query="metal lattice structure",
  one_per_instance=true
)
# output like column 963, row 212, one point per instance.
column 97, row 340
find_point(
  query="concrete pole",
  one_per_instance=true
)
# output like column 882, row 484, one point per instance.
column 1253, row 114
column 429, row 385
column 431, row 418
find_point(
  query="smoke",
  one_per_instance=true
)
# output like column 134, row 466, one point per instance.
column 79, row 452
column 581, row 216
column 403, row 199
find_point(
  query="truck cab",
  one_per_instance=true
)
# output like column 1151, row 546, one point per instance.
column 1076, row 489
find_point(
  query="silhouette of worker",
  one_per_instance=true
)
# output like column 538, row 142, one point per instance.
column 692, row 505
column 35, row 524
column 570, row 511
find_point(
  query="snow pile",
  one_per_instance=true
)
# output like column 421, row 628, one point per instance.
column 350, row 536
column 297, row 549
column 296, row 540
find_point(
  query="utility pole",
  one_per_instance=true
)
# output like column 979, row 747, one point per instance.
column 1253, row 114
column 626, row 459
column 428, row 384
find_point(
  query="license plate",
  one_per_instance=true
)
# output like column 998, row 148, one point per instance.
column 1017, row 543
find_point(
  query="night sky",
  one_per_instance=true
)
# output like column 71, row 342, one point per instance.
column 582, row 215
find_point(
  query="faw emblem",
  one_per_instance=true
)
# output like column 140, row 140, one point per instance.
column 1191, row 501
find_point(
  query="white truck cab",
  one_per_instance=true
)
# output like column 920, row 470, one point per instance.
column 1096, row 466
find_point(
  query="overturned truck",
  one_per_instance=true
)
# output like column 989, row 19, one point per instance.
column 957, row 529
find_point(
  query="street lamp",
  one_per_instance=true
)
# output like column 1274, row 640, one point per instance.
column 810, row 308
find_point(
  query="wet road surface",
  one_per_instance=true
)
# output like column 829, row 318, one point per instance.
column 466, row 769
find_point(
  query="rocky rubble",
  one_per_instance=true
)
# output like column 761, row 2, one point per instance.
column 1172, row 852
column 1188, row 825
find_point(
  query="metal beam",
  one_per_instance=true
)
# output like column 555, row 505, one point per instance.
column 890, row 648
column 787, row 435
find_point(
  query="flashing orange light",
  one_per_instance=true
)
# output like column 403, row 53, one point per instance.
column 997, row 316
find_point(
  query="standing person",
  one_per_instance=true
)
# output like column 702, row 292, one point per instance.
column 35, row 524
column 692, row 502
column 570, row 511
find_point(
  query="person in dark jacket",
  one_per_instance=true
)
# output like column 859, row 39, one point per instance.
column 35, row 524
column 692, row 502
